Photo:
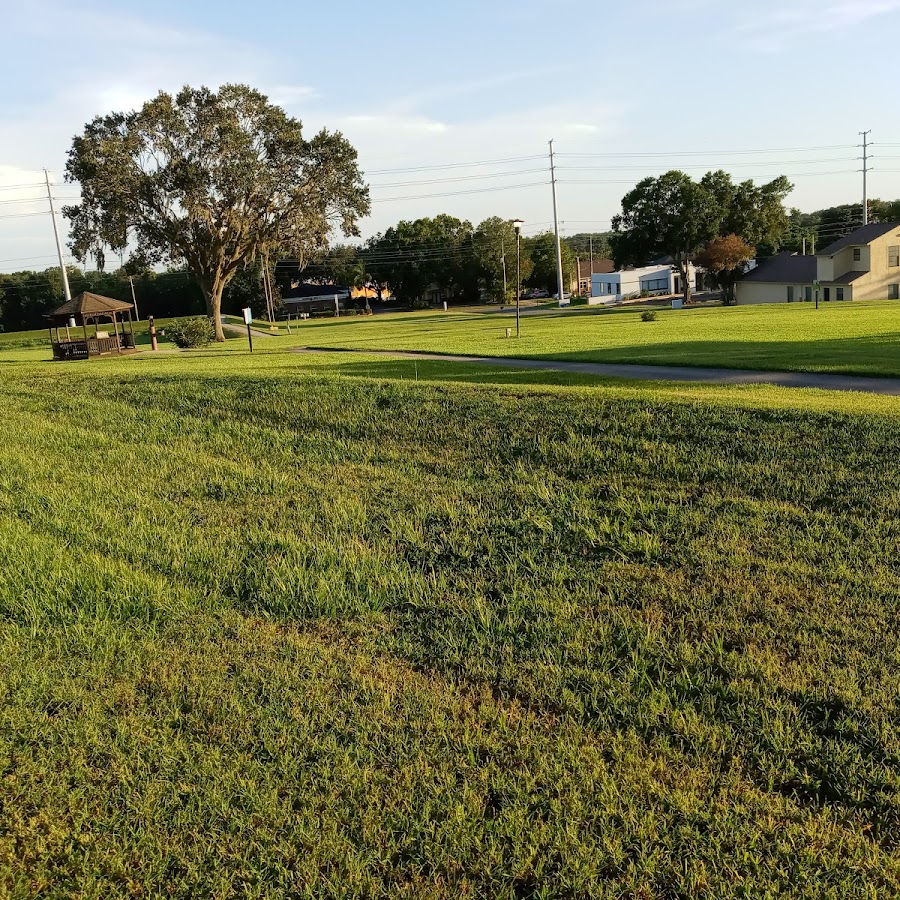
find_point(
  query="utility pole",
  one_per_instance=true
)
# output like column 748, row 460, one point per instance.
column 517, row 224
column 865, row 172
column 578, row 273
column 559, row 271
column 62, row 267
column 503, row 260
column 591, row 273
column 134, row 299
column 804, row 246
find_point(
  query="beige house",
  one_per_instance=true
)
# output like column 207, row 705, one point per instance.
column 863, row 265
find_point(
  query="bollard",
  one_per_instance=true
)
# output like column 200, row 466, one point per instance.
column 509, row 332
column 153, row 343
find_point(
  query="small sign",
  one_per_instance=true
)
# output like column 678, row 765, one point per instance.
column 248, row 315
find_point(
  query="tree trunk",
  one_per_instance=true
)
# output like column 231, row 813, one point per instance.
column 215, row 302
column 684, row 271
column 212, row 294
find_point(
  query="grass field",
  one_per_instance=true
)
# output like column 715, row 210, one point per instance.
column 859, row 338
column 268, row 630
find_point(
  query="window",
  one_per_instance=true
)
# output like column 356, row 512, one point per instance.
column 826, row 293
column 894, row 256
column 807, row 293
column 894, row 292
column 655, row 284
column 857, row 254
column 790, row 293
column 840, row 294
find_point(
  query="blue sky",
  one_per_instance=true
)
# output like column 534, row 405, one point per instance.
column 419, row 84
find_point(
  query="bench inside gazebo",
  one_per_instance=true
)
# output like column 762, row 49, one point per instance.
column 77, row 314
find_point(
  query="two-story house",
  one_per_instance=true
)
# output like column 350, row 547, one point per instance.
column 862, row 265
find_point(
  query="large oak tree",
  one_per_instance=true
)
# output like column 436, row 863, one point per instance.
column 671, row 215
column 214, row 180
column 675, row 216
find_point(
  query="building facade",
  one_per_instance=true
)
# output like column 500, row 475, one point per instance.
column 862, row 265
column 659, row 279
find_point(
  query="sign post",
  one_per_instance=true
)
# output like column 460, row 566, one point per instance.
column 248, row 318
column 816, row 289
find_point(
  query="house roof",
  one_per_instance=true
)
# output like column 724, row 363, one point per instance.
column 864, row 235
column 600, row 267
column 846, row 278
column 304, row 291
column 785, row 268
column 88, row 304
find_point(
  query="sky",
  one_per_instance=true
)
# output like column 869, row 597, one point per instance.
column 451, row 106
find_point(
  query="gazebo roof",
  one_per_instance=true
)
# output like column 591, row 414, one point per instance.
column 88, row 304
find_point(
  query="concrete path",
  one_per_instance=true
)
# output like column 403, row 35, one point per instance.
column 823, row 380
column 242, row 329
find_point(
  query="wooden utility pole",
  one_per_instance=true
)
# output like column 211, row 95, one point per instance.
column 137, row 315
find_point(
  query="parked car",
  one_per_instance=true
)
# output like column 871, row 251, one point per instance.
column 566, row 295
column 539, row 295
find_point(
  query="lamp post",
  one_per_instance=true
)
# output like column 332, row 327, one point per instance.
column 517, row 224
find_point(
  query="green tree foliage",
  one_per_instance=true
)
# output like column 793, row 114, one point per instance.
column 542, row 251
column 675, row 216
column 213, row 180
column 494, row 242
column 671, row 215
column 580, row 244
column 413, row 256
column 753, row 212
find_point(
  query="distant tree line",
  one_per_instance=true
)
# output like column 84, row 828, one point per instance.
column 26, row 296
column 715, row 222
column 464, row 262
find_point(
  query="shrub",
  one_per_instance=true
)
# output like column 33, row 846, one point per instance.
column 194, row 332
column 648, row 315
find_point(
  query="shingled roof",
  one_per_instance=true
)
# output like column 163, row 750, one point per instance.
column 88, row 304
column 863, row 235
column 785, row 268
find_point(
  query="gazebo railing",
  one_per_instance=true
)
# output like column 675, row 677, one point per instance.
column 93, row 346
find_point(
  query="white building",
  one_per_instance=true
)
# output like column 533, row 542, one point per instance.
column 657, row 279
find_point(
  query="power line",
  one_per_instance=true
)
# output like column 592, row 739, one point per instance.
column 731, row 165
column 458, row 178
column 456, row 165
column 714, row 152
column 510, row 187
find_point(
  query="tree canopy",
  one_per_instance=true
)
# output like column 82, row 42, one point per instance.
column 411, row 256
column 542, row 252
column 675, row 216
column 725, row 258
column 213, row 180
column 671, row 215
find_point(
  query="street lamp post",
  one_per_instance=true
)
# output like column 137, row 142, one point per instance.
column 517, row 224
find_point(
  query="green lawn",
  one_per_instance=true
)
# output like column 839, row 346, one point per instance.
column 860, row 338
column 269, row 630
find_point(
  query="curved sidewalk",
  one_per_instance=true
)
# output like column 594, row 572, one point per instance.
column 828, row 381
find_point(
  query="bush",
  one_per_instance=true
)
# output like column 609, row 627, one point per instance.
column 648, row 315
column 194, row 332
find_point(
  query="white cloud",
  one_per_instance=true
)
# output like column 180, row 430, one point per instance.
column 775, row 29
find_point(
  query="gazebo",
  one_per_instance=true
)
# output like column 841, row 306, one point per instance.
column 83, row 310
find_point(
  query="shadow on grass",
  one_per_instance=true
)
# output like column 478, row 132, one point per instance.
column 877, row 354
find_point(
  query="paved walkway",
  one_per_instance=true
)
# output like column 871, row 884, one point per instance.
column 242, row 329
column 823, row 380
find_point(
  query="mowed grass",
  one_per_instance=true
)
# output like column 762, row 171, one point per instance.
column 269, row 631
column 859, row 338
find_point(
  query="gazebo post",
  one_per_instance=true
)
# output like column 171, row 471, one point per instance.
column 116, row 329
column 131, row 330
column 87, row 346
